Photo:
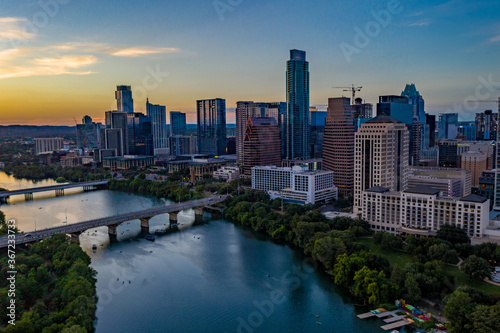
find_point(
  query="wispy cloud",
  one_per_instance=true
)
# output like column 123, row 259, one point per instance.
column 142, row 51
column 416, row 14
column 494, row 39
column 421, row 23
column 13, row 28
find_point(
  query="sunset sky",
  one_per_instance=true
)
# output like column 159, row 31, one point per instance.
column 61, row 62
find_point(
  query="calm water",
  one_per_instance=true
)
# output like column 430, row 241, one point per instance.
column 212, row 278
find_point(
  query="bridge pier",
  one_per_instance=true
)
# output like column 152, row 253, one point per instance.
column 198, row 215
column 76, row 236
column 59, row 192
column 113, row 233
column 4, row 200
column 145, row 225
column 28, row 196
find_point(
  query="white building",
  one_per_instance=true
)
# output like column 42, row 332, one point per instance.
column 421, row 211
column 48, row 145
column 297, row 184
column 381, row 157
column 228, row 173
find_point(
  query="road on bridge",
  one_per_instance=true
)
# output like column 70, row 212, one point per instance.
column 110, row 220
column 6, row 194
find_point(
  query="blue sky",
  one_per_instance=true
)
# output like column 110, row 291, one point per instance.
column 70, row 64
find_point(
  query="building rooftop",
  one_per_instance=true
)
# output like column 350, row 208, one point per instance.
column 422, row 189
column 377, row 189
column 383, row 119
column 475, row 198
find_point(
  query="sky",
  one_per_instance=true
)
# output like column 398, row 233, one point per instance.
column 62, row 59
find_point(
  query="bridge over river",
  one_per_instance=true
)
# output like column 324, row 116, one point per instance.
column 28, row 192
column 112, row 222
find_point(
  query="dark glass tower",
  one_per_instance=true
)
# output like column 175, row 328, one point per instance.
column 211, row 115
column 297, row 95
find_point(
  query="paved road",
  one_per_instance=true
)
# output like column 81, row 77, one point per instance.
column 110, row 220
column 52, row 188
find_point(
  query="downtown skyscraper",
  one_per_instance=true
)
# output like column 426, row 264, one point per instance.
column 297, row 96
column 177, row 123
column 124, row 101
column 158, row 115
column 338, row 144
column 211, row 116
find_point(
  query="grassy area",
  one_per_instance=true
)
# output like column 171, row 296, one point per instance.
column 456, row 276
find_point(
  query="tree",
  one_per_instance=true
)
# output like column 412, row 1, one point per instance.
column 346, row 267
column 442, row 252
column 485, row 319
column 476, row 268
column 457, row 310
column 453, row 234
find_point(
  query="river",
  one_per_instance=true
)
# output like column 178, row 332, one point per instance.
column 216, row 277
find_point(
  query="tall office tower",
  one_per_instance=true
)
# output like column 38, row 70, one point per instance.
column 418, row 140
column 431, row 121
column 466, row 130
column 381, row 157
column 338, row 145
column 248, row 109
column 318, row 122
column 448, row 123
column 400, row 108
column 88, row 135
column 118, row 123
column 177, row 123
column 261, row 145
column 279, row 109
column 158, row 116
column 140, row 135
column 496, row 205
column 417, row 100
column 124, row 100
column 486, row 125
column 297, row 97
column 211, row 114
column 362, row 110
column 86, row 120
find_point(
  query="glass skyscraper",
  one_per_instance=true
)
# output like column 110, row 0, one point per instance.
column 177, row 123
column 297, row 95
column 211, row 115
column 158, row 116
column 124, row 101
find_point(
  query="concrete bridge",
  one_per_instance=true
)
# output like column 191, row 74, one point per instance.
column 28, row 192
column 112, row 222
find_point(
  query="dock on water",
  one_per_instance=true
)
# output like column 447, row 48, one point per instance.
column 395, row 325
column 366, row 315
column 386, row 314
column 394, row 319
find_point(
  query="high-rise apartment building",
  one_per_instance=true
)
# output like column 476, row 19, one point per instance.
column 261, row 144
column 431, row 121
column 448, row 123
column 362, row 110
column 318, row 122
column 177, row 123
column 297, row 89
column 381, row 157
column 124, row 101
column 476, row 162
column 183, row 145
column 140, row 135
column 338, row 145
column 486, row 125
column 88, row 135
column 48, row 145
column 211, row 115
column 117, row 138
column 158, row 116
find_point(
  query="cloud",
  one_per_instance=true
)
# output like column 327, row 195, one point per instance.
column 14, row 28
column 494, row 39
column 416, row 14
column 421, row 23
column 142, row 51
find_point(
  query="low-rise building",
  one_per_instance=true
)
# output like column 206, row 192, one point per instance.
column 442, row 179
column 297, row 184
column 127, row 162
column 421, row 211
column 227, row 173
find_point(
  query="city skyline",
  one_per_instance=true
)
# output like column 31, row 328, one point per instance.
column 63, row 62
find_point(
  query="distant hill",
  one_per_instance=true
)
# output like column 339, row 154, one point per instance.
column 14, row 131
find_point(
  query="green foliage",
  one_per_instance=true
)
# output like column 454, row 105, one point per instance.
column 476, row 268
column 61, row 180
column 453, row 234
column 55, row 288
column 40, row 172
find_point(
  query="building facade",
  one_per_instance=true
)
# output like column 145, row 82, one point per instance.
column 211, row 115
column 318, row 122
column 261, row 145
column 476, row 162
column 443, row 179
column 158, row 116
column 124, row 101
column 381, row 157
column 338, row 148
column 297, row 91
column 48, row 145
column 177, row 123
column 448, row 123
column 88, row 135
column 183, row 145
column 297, row 184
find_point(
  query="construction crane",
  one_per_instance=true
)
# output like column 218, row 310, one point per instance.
column 352, row 89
